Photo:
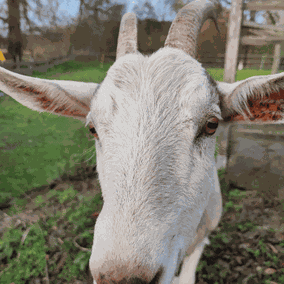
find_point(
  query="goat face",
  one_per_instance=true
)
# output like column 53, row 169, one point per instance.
column 155, row 159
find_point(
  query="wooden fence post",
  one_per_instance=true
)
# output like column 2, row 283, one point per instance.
column 262, row 61
column 233, row 41
column 276, row 58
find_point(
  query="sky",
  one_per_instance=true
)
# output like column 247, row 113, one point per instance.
column 70, row 8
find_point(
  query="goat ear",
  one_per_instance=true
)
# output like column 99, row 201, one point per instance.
column 258, row 99
column 67, row 98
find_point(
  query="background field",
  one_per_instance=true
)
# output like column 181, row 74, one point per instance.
column 36, row 147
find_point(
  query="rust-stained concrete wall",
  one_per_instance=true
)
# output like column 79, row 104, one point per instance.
column 222, row 137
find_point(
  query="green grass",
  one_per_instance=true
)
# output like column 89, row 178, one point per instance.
column 50, row 236
column 34, row 146
column 217, row 73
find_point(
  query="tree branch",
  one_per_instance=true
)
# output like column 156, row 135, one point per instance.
column 25, row 12
column 5, row 20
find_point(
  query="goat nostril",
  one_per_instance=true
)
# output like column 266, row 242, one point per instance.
column 157, row 277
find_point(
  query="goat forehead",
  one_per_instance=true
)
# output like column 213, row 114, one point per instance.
column 164, row 73
column 167, row 80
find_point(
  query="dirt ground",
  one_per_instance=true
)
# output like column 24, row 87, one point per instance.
column 230, row 254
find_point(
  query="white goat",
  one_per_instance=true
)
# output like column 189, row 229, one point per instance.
column 153, row 119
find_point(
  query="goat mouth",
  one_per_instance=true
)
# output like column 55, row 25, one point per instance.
column 157, row 277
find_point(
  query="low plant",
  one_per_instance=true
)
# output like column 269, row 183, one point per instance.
column 56, row 247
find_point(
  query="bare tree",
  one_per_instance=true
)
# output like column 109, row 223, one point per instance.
column 116, row 12
column 175, row 5
column 97, row 10
column 101, row 9
column 89, row 14
column 46, row 14
column 146, row 11
column 15, row 39
column 94, row 17
column 15, row 17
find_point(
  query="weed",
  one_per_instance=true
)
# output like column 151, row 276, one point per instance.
column 30, row 255
column 66, row 195
column 246, row 226
column 39, row 200
column 236, row 193
column 30, row 252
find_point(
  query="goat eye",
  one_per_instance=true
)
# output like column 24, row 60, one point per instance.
column 93, row 131
column 211, row 125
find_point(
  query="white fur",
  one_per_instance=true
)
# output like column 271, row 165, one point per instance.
column 157, row 182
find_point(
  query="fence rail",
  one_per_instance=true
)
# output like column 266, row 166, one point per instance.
column 27, row 67
column 254, row 61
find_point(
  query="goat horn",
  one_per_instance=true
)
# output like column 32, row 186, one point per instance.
column 127, row 37
column 185, row 28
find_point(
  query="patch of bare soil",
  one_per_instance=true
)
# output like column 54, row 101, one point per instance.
column 84, row 181
column 33, row 212
column 240, row 254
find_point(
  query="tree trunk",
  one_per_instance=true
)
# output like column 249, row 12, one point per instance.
column 15, row 39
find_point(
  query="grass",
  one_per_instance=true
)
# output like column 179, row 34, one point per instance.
column 217, row 73
column 37, row 148
column 76, row 71
column 32, row 249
